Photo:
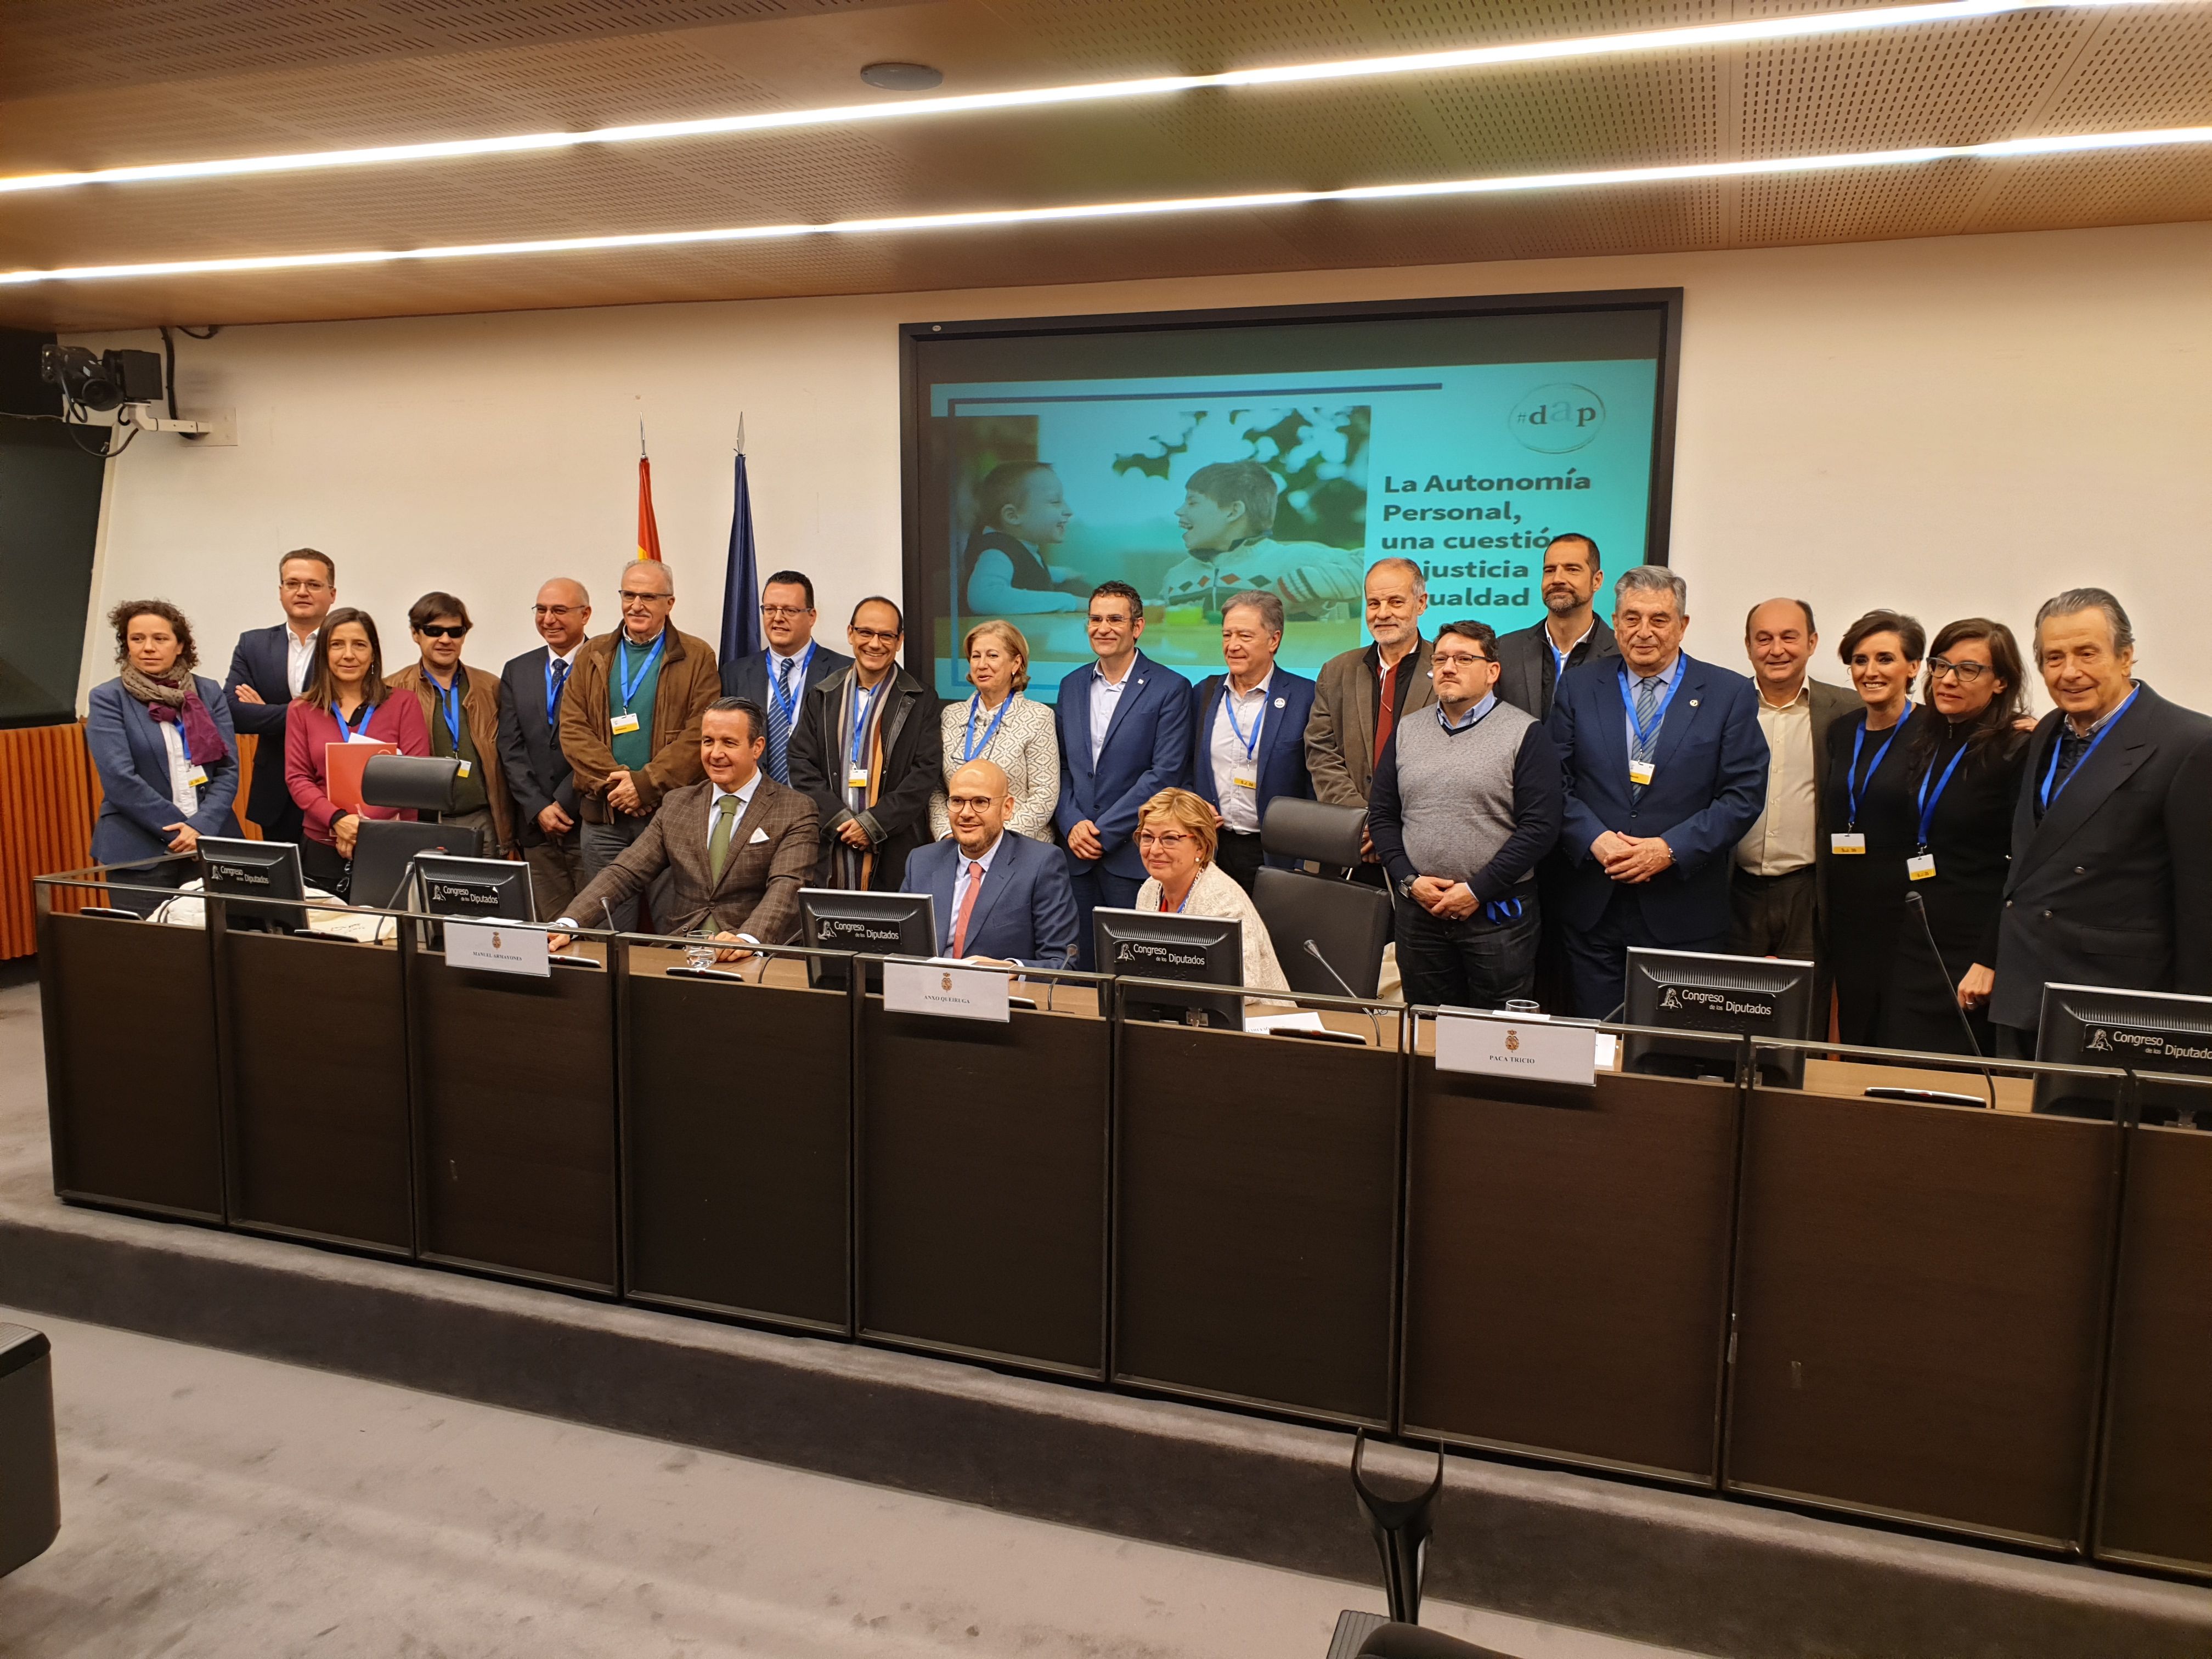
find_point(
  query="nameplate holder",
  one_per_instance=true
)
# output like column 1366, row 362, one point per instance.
column 946, row 989
column 1537, row 1050
column 498, row 948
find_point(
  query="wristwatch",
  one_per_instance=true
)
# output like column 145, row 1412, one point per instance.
column 1405, row 886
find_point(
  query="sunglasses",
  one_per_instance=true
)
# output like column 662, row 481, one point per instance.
column 444, row 630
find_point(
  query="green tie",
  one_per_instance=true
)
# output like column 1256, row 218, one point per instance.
column 718, row 842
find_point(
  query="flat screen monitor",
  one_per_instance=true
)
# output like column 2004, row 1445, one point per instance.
column 1694, row 991
column 2130, row 1031
column 474, row 890
column 254, row 869
column 872, row 924
column 1156, row 945
column 384, row 854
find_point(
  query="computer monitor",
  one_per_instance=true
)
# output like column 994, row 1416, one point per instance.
column 1158, row 944
column 2127, row 1030
column 474, row 890
column 1695, row 991
column 874, row 924
column 254, row 869
column 383, row 853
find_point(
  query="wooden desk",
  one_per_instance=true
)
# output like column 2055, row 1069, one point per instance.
column 1853, row 1078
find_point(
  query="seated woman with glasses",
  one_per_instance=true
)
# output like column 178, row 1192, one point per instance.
column 1175, row 840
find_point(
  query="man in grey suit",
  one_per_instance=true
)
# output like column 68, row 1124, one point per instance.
column 530, row 689
column 794, row 663
column 736, row 846
column 1531, row 660
column 1778, row 889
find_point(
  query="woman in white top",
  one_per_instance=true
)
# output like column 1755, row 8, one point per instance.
column 999, row 724
column 1176, row 839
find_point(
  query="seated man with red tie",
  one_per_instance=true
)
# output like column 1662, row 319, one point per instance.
column 1000, row 898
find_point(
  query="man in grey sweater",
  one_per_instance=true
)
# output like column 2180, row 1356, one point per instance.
column 1466, row 799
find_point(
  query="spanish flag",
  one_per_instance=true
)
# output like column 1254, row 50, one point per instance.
column 648, row 533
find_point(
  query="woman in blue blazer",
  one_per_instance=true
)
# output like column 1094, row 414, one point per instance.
column 163, row 741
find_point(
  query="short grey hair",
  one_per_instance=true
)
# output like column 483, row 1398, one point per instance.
column 1420, row 577
column 649, row 564
column 1653, row 579
column 2088, row 598
column 1269, row 607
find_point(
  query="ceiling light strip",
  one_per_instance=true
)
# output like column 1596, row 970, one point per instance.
column 1698, row 36
column 2000, row 149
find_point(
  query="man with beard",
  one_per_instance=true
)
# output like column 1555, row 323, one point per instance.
column 1531, row 660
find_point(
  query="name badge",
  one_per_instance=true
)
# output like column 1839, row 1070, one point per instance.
column 1920, row 866
column 1640, row 772
column 362, row 737
column 197, row 777
column 622, row 724
column 466, row 769
column 856, row 777
column 1847, row 841
column 1252, row 784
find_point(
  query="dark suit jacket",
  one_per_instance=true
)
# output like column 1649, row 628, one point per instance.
column 1147, row 749
column 1524, row 660
column 1282, row 756
column 913, row 762
column 259, row 662
column 747, row 677
column 529, row 755
column 2114, row 885
column 1830, row 704
column 134, row 775
column 758, row 893
column 1026, row 911
column 1709, row 785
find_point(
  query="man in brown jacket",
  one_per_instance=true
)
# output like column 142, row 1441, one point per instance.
column 460, row 710
column 1351, row 713
column 629, row 721
column 734, row 850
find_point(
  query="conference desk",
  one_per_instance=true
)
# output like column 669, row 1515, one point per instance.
column 1992, row 1323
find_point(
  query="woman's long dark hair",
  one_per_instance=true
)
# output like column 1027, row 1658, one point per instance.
column 1994, row 722
column 321, row 690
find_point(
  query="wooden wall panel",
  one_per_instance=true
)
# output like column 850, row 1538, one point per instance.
column 48, row 797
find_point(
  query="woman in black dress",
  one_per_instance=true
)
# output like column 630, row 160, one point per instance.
column 1868, row 818
column 1966, row 754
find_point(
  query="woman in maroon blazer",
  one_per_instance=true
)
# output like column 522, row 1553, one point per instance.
column 345, row 701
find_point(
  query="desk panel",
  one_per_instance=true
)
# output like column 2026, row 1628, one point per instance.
column 1257, row 1212
column 514, row 1132
column 2157, row 1503
column 319, row 1137
column 737, row 1172
column 983, row 1182
column 1920, row 1293
column 133, row 1092
column 1567, row 1267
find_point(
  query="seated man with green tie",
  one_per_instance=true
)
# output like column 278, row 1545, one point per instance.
column 736, row 846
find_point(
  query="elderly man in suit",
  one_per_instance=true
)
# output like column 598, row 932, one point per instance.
column 1532, row 659
column 795, row 662
column 269, row 668
column 537, row 779
column 1359, row 696
column 2110, row 881
column 1124, row 736
column 1000, row 898
column 1665, row 770
column 1249, row 741
column 737, row 845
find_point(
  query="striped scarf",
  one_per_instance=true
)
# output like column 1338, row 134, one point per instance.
column 851, row 867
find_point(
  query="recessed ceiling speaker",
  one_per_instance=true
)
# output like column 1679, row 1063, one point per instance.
column 904, row 77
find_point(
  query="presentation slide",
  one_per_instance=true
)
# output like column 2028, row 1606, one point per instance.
column 1463, row 443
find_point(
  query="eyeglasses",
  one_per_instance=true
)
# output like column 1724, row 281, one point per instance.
column 444, row 630
column 1968, row 672
column 1163, row 841
column 876, row 636
column 785, row 612
column 300, row 584
column 555, row 610
column 1457, row 659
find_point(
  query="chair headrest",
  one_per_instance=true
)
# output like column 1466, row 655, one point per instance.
column 1310, row 830
column 423, row 782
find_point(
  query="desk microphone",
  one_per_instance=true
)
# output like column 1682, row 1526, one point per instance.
column 1313, row 951
column 1928, row 932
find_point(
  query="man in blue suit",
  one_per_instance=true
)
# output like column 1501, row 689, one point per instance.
column 269, row 668
column 1249, row 736
column 1124, row 736
column 794, row 663
column 999, row 897
column 1665, row 770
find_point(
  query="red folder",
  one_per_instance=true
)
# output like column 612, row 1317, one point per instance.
column 343, row 765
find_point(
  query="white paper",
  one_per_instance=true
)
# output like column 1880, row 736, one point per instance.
column 1304, row 1020
column 946, row 988
column 1508, row 1045
column 499, row 946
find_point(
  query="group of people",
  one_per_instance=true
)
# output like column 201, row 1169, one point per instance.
column 1536, row 803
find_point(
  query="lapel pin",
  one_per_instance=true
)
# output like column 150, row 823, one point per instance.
column 1693, row 703
column 1281, row 703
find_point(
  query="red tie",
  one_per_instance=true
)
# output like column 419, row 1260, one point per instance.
column 967, row 909
column 1386, row 712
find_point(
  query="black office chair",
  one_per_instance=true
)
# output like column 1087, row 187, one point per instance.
column 1320, row 922
column 30, row 1477
column 384, row 848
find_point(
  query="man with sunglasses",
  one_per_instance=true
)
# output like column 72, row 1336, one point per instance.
column 631, row 721
column 461, row 711
column 781, row 677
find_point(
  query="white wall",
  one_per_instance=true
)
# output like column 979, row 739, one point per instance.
column 1951, row 427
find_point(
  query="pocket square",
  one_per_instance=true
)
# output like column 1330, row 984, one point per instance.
column 757, row 838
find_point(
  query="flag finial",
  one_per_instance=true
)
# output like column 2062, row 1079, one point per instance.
column 640, row 437
column 741, row 432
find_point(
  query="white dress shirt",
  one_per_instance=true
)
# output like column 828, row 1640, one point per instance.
column 1105, row 698
column 1786, row 833
column 184, row 794
column 1239, row 808
column 744, row 795
column 299, row 658
column 960, row 881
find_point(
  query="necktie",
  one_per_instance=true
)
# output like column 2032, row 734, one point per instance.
column 1386, row 705
column 718, row 842
column 779, row 728
column 967, row 909
column 1647, row 699
column 559, row 685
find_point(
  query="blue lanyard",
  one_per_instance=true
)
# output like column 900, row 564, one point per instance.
column 969, row 747
column 449, row 704
column 1228, row 707
column 1927, row 802
column 2058, row 738
column 1852, row 785
column 631, row 682
column 789, row 703
column 862, row 694
column 346, row 733
column 556, row 687
column 1645, row 733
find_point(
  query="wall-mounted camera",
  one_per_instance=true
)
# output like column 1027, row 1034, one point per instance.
column 129, row 380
